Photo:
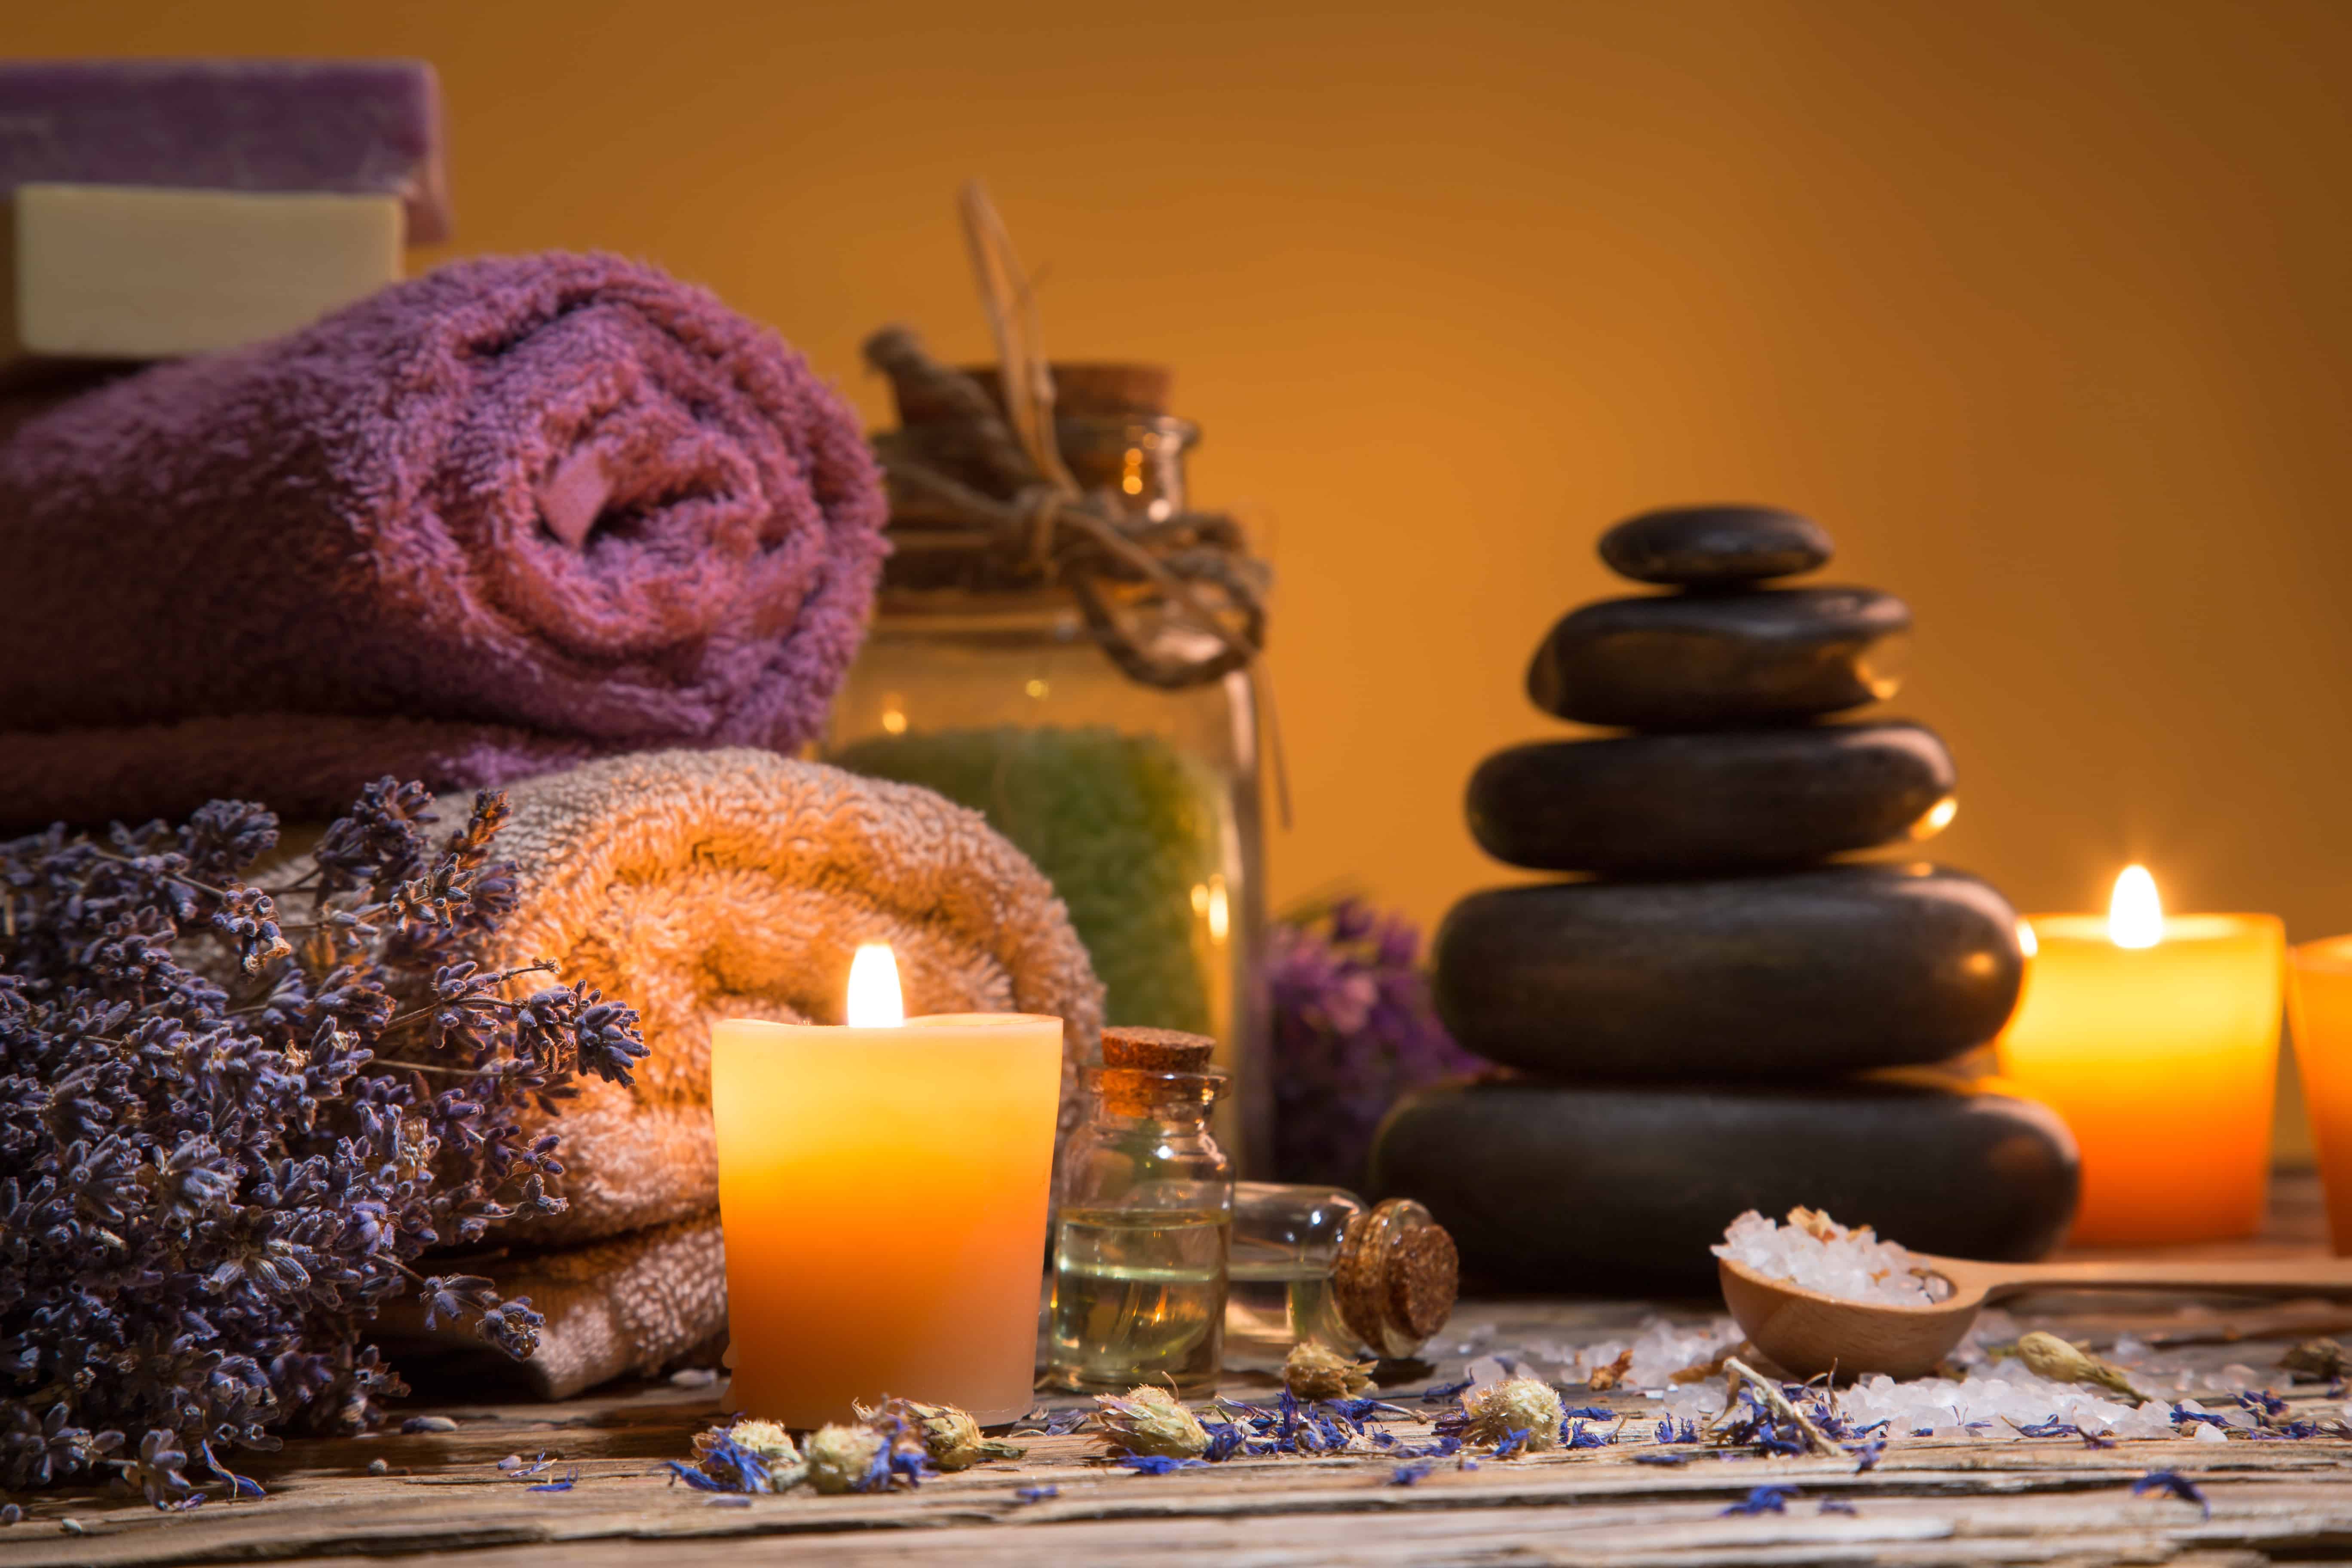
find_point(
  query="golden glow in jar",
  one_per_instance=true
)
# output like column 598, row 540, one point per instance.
column 2319, row 1001
column 883, row 1190
column 2155, row 1037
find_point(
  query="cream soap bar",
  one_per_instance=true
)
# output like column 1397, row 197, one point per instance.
column 132, row 272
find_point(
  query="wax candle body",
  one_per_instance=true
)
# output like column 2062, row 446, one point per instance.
column 883, row 1193
column 2319, row 1002
column 2163, row 1060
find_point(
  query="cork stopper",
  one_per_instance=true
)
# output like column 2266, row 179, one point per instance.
column 1157, row 1051
column 1396, row 1278
column 1147, row 1068
column 1081, row 390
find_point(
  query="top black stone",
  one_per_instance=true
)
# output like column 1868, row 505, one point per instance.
column 1714, row 546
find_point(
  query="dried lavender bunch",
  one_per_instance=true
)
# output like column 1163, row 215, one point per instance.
column 1353, row 1029
column 231, row 1119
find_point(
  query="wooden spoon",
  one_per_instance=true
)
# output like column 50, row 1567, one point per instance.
column 1807, row 1333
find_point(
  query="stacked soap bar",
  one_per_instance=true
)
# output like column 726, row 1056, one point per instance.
column 1690, row 1013
column 160, row 209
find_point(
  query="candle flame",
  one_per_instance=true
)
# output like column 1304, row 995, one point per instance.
column 875, row 1002
column 2027, row 942
column 2135, row 915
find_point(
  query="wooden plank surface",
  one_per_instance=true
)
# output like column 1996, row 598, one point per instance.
column 1931, row 1500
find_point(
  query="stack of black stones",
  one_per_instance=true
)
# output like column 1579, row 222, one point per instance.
column 1703, row 1022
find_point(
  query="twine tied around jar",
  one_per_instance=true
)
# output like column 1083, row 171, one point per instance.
column 981, row 499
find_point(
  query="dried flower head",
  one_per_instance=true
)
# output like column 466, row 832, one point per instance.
column 950, row 1435
column 765, row 1438
column 2047, row 1356
column 752, row 1456
column 1312, row 1371
column 1515, row 1406
column 2316, row 1361
column 841, row 1457
column 1148, row 1420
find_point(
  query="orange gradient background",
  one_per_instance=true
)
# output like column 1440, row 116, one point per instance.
column 2041, row 308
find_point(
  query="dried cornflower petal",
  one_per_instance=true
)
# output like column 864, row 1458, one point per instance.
column 1312, row 1372
column 1518, row 1407
column 1148, row 1420
column 2049, row 1356
column 2171, row 1483
column 841, row 1457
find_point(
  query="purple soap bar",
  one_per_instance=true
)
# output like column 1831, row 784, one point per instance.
column 362, row 127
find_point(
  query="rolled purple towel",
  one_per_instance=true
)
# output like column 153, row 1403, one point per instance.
column 497, row 519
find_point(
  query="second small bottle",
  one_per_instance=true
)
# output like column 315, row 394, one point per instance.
column 1146, row 1204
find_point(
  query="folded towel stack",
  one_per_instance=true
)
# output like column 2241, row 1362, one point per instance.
column 736, row 883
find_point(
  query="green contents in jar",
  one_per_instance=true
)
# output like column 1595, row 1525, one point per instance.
column 1125, row 826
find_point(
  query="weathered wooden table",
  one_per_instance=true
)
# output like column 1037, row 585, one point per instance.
column 444, row 1500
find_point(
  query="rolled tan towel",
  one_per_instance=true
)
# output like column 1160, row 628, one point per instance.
column 705, row 885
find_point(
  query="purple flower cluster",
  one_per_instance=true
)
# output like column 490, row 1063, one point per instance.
column 1353, row 1029
column 232, row 1116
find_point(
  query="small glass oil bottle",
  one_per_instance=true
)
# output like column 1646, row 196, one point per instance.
column 1320, row 1264
column 1141, row 1240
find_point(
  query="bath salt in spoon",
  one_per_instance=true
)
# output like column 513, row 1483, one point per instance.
column 1807, row 1332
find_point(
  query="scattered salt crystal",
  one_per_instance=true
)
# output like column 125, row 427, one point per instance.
column 1992, row 1327
column 1485, row 1370
column 1601, row 1354
column 2206, row 1433
column 2005, row 1401
column 1664, row 1350
column 2233, row 1378
column 1816, row 1252
column 1694, row 1400
column 2129, row 1350
column 1474, row 1336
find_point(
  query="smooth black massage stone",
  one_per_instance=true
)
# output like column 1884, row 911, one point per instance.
column 1714, row 546
column 1782, row 976
column 1690, row 661
column 1726, row 800
column 1622, row 1191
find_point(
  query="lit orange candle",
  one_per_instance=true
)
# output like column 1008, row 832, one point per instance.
column 2156, row 1037
column 2319, row 1003
column 883, row 1190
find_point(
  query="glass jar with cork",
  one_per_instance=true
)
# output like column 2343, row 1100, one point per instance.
column 1064, row 644
column 1318, row 1265
column 1140, row 1237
